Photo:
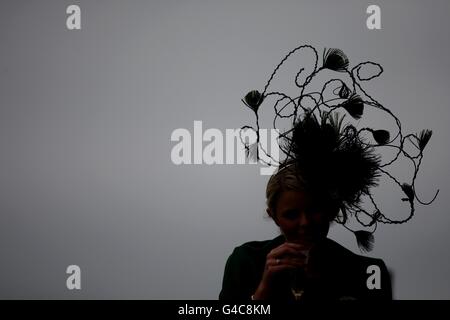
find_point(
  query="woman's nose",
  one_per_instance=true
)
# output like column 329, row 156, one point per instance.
column 303, row 219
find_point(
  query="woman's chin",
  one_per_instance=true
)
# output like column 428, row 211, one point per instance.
column 307, row 242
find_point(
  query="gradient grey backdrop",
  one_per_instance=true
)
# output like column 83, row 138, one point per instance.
column 86, row 117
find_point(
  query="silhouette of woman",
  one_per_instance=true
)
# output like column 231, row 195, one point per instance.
column 329, row 169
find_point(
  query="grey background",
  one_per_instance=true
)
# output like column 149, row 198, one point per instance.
column 86, row 117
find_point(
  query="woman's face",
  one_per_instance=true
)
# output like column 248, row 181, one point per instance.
column 301, row 219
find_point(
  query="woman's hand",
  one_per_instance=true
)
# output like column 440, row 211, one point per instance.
column 286, row 257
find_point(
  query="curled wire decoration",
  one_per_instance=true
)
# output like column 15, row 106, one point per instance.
column 313, row 126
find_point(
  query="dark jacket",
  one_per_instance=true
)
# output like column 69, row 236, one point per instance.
column 344, row 275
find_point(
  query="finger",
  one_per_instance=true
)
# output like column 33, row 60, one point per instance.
column 280, row 250
column 286, row 261
column 298, row 246
column 296, row 261
column 280, row 268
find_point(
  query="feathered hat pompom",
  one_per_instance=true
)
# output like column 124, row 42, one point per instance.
column 332, row 159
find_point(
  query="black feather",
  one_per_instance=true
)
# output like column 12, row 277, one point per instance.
column 344, row 92
column 253, row 100
column 354, row 105
column 335, row 59
column 424, row 137
column 381, row 136
column 332, row 159
column 365, row 240
column 252, row 151
column 409, row 191
column 376, row 215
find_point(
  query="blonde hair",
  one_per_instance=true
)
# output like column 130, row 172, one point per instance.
column 286, row 178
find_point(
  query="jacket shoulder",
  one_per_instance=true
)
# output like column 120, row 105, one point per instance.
column 369, row 276
column 259, row 246
column 244, row 268
column 352, row 257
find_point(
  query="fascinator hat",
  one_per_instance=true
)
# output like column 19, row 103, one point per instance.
column 336, row 158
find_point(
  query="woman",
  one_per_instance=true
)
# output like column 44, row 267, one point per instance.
column 301, row 263
column 327, row 175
